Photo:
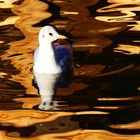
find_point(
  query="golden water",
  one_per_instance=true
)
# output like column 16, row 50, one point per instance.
column 102, row 102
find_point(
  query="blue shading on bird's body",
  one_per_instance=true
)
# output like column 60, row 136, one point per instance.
column 64, row 58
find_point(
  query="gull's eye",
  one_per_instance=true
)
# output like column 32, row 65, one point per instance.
column 50, row 34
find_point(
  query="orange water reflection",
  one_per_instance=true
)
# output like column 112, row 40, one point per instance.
column 127, row 10
column 91, row 34
column 26, row 18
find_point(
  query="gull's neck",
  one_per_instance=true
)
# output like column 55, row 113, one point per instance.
column 46, row 48
column 46, row 52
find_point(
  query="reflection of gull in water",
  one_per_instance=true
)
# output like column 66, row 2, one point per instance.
column 52, row 59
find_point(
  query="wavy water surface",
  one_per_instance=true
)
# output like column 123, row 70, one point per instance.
column 103, row 100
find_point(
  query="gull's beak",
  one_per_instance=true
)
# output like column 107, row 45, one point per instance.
column 62, row 37
column 59, row 37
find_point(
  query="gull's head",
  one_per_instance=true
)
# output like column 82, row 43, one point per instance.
column 48, row 34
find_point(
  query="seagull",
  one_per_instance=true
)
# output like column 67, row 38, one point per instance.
column 53, row 59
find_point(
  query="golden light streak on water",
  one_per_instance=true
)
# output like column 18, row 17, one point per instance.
column 69, row 13
column 91, row 112
column 28, row 103
column 113, row 29
column 86, row 45
column 137, row 41
column 7, row 3
column 107, row 107
column 1, row 41
column 127, row 49
column 77, row 135
column 23, row 118
column 114, row 99
column 125, row 1
column 2, row 74
column 129, row 126
column 135, row 27
column 10, row 20
column 58, row 1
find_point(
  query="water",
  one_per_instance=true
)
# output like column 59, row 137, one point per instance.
column 103, row 100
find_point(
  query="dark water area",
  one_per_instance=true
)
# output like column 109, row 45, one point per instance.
column 102, row 102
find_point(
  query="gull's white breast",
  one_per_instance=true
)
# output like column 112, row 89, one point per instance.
column 44, row 62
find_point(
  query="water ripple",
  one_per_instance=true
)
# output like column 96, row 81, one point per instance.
column 103, row 100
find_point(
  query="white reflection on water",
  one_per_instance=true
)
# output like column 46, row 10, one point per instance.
column 47, row 89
